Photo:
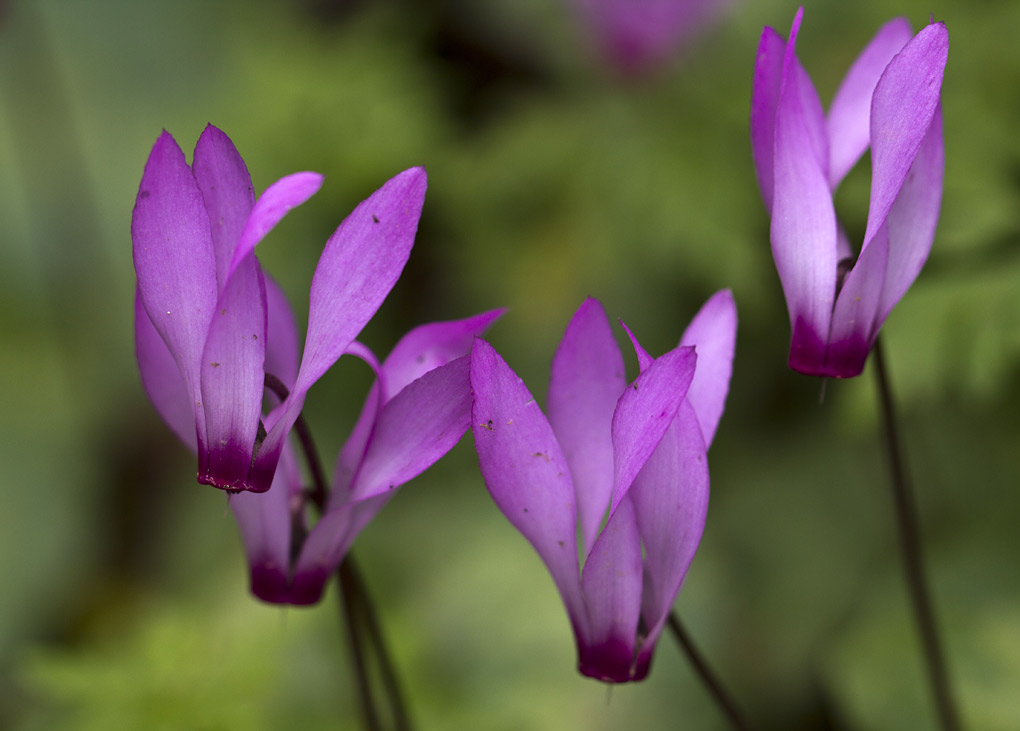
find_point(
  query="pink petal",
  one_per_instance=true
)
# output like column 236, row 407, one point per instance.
column 803, row 222
column 525, row 471
column 415, row 428
column 265, row 522
column 275, row 202
column 768, row 76
column 227, row 191
column 281, row 335
column 161, row 378
column 233, row 380
column 174, row 259
column 670, row 499
column 849, row 121
column 644, row 412
column 713, row 333
column 360, row 264
column 587, row 381
column 856, row 306
column 611, row 582
column 902, row 110
column 912, row 220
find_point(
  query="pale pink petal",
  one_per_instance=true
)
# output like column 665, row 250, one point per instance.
column 525, row 471
column 849, row 120
column 587, row 380
column 713, row 333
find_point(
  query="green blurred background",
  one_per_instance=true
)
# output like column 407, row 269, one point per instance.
column 123, row 597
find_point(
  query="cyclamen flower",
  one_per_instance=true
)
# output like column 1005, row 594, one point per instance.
column 638, row 450
column 417, row 410
column 202, row 297
column 637, row 35
column 890, row 100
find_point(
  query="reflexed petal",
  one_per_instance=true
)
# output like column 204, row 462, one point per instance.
column 281, row 335
column 912, row 220
column 856, row 307
column 264, row 520
column 430, row 346
column 904, row 104
column 358, row 268
column 275, row 202
column 161, row 378
column 849, row 121
column 587, row 380
column 645, row 411
column 415, row 428
column 803, row 222
column 713, row 333
column 611, row 582
column 768, row 76
column 233, row 380
column 670, row 499
column 174, row 259
column 525, row 471
column 227, row 191
column 360, row 264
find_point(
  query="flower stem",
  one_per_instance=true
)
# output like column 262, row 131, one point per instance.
column 910, row 549
column 722, row 697
column 359, row 612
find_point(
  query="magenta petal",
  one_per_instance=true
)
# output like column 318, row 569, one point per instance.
column 611, row 582
column 265, row 522
column 358, row 268
column 644, row 412
column 281, row 335
column 233, row 380
column 429, row 346
column 275, row 202
column 849, row 121
column 525, row 471
column 803, row 219
column 415, row 428
column 713, row 333
column 328, row 543
column 850, row 338
column 161, row 378
column 174, row 258
column 903, row 106
column 912, row 220
column 226, row 189
column 359, row 265
column 587, row 381
column 670, row 499
column 768, row 76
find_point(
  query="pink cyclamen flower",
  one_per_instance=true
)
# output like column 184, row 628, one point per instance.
column 202, row 297
column 417, row 410
column 637, row 450
column 890, row 101
column 638, row 35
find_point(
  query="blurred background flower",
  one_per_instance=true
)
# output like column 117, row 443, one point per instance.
column 125, row 600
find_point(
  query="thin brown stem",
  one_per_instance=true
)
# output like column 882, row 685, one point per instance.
column 910, row 548
column 722, row 698
column 359, row 611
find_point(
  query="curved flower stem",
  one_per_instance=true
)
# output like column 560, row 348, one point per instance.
column 357, row 606
column 722, row 697
column 910, row 549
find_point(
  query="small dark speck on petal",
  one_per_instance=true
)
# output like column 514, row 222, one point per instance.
column 420, row 359
column 223, row 311
column 525, row 510
column 215, row 365
column 254, row 336
column 635, row 385
column 562, row 544
column 375, row 218
column 143, row 194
